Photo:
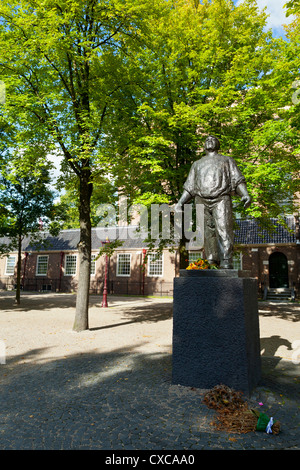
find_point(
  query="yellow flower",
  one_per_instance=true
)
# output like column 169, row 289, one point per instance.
column 200, row 264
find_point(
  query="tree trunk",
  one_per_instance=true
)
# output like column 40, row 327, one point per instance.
column 183, row 253
column 84, row 248
column 19, row 263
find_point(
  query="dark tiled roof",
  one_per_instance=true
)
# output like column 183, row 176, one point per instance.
column 69, row 239
column 249, row 232
column 129, row 235
column 66, row 240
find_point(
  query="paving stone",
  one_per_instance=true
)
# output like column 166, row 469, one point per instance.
column 74, row 403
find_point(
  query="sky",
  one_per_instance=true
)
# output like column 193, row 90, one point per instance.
column 276, row 12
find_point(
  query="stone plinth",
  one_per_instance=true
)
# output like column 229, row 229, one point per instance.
column 216, row 330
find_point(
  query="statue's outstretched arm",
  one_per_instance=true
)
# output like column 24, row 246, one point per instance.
column 241, row 191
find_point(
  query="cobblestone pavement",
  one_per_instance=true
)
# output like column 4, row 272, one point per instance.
column 122, row 398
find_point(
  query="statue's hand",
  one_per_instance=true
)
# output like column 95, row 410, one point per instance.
column 246, row 200
column 178, row 207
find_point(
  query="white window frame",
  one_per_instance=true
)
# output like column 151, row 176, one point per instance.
column 236, row 260
column 37, row 265
column 118, row 264
column 194, row 255
column 93, row 264
column 74, row 256
column 6, row 265
column 149, row 261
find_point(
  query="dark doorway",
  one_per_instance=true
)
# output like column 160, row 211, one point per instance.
column 278, row 270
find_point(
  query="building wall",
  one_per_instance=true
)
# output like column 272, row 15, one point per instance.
column 137, row 281
column 140, row 280
column 255, row 258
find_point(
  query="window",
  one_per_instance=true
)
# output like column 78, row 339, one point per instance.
column 123, row 268
column 237, row 261
column 93, row 265
column 155, row 264
column 70, row 265
column 194, row 255
column 42, row 265
column 10, row 265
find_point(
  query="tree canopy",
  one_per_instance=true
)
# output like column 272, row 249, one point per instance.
column 26, row 201
column 129, row 91
column 209, row 68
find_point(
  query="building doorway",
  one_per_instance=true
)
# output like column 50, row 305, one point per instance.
column 278, row 270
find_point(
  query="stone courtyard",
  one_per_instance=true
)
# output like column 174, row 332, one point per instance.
column 110, row 387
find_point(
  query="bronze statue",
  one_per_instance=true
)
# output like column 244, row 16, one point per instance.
column 211, row 181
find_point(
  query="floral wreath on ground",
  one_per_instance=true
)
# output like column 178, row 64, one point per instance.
column 201, row 264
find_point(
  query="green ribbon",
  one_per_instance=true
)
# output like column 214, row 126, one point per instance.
column 262, row 422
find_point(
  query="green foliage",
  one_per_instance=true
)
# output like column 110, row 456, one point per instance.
column 129, row 91
column 62, row 64
column 109, row 247
column 26, row 201
column 67, row 208
column 208, row 68
column 66, row 68
column 25, row 197
column 293, row 6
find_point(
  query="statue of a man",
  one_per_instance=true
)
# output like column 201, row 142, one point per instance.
column 211, row 181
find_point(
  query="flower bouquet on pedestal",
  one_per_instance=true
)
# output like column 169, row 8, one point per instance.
column 201, row 264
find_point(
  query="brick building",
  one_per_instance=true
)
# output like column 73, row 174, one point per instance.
column 272, row 258
column 55, row 267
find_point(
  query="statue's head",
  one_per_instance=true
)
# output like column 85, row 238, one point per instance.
column 212, row 143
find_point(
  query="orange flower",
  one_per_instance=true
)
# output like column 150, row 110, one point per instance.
column 200, row 264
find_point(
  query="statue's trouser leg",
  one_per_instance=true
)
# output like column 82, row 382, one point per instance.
column 222, row 214
column 210, row 237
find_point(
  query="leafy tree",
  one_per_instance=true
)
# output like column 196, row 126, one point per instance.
column 28, row 203
column 62, row 64
column 207, row 68
column 293, row 7
column 67, row 209
column 289, row 70
column 132, row 89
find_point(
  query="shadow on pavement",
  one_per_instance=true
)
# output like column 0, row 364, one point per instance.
column 124, row 400
column 45, row 301
column 286, row 311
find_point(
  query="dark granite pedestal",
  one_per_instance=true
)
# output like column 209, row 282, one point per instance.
column 216, row 330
